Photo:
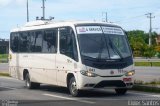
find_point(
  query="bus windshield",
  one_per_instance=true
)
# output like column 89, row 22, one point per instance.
column 104, row 44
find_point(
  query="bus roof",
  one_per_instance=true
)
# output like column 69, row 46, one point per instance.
column 42, row 24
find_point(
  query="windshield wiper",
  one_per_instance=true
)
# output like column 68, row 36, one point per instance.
column 115, row 48
column 101, row 49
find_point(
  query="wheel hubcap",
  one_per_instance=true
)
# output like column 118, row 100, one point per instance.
column 27, row 82
column 74, row 87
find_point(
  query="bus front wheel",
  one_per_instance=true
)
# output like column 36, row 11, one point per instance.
column 73, row 87
column 29, row 84
column 121, row 91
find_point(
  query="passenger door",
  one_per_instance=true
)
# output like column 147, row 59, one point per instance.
column 50, row 48
column 67, row 56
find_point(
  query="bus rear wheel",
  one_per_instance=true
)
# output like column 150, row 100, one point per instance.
column 29, row 84
column 73, row 88
column 121, row 91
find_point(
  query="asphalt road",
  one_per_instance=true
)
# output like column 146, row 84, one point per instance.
column 147, row 74
column 3, row 67
column 13, row 91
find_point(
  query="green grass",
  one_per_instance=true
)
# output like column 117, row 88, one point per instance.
column 4, row 74
column 3, row 58
column 147, row 64
column 152, row 86
column 154, row 82
column 146, row 88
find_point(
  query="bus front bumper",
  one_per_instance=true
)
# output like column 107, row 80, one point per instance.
column 85, row 82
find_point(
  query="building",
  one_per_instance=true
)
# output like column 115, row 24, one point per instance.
column 4, row 46
column 158, row 40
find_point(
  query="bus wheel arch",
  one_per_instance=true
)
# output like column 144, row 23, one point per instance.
column 72, row 85
column 25, row 72
column 69, row 76
column 28, row 83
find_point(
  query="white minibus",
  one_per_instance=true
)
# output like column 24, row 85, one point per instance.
column 79, row 55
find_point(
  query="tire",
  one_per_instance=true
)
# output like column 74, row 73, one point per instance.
column 73, row 87
column 29, row 84
column 121, row 91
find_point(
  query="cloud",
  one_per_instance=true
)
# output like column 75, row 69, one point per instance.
column 4, row 3
column 21, row 2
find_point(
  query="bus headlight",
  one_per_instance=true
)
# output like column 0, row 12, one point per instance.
column 130, row 73
column 88, row 73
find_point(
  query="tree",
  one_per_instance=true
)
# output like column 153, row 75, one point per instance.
column 149, row 51
column 154, row 35
column 139, row 43
column 157, row 49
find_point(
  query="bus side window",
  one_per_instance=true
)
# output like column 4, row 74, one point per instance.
column 50, row 41
column 32, row 34
column 14, row 42
column 24, row 42
column 68, row 45
column 36, row 41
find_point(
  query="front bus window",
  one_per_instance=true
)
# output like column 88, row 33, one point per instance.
column 118, row 40
column 100, row 44
column 93, row 45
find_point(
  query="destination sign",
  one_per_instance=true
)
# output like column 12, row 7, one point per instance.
column 98, row 29
column 113, row 30
column 89, row 29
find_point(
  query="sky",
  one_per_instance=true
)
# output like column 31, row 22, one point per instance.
column 130, row 14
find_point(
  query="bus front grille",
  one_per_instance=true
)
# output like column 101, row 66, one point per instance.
column 110, row 83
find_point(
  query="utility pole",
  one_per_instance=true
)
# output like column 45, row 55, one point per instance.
column 27, row 12
column 149, row 15
column 43, row 9
column 106, row 16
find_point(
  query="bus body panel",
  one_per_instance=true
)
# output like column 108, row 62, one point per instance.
column 40, row 66
column 14, row 64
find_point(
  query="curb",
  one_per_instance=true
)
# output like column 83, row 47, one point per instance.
column 3, row 61
column 4, row 74
column 146, row 88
